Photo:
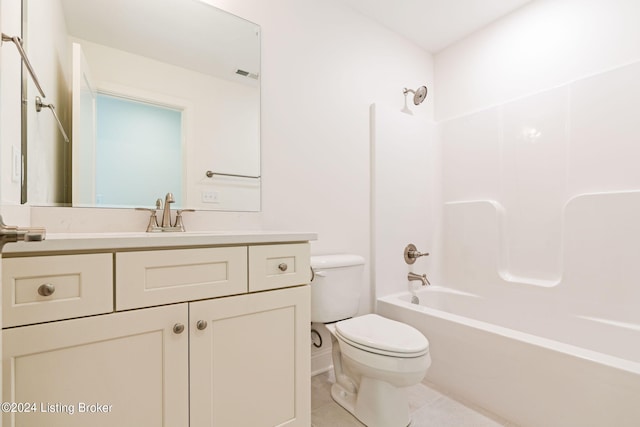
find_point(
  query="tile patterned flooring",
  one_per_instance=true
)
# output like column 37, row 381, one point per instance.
column 428, row 407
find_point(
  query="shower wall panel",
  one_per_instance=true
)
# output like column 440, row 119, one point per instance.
column 605, row 132
column 544, row 188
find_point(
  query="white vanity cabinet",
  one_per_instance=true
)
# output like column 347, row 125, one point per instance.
column 131, row 362
column 250, row 360
column 188, row 342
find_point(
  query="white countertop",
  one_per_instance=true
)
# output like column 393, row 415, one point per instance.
column 55, row 242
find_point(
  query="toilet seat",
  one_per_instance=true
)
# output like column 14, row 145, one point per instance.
column 376, row 334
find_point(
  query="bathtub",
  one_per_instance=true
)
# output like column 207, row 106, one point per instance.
column 549, row 370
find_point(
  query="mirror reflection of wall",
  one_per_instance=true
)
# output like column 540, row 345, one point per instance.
column 48, row 158
column 220, row 109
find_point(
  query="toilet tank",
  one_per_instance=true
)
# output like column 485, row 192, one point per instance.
column 336, row 287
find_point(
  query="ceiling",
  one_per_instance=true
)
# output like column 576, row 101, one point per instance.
column 434, row 24
column 188, row 33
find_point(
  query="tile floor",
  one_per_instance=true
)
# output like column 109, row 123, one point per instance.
column 428, row 407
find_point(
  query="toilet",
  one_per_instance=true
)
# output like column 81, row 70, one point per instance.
column 374, row 358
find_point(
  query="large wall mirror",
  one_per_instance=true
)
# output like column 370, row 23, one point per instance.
column 156, row 96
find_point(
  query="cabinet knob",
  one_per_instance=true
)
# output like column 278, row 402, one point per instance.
column 46, row 289
column 201, row 324
column 178, row 328
column 283, row 266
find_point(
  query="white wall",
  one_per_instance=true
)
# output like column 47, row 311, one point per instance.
column 539, row 136
column 49, row 165
column 10, row 109
column 403, row 166
column 544, row 44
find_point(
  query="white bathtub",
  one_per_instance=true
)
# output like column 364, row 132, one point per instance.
column 546, row 370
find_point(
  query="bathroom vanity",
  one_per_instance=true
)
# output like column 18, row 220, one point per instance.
column 149, row 329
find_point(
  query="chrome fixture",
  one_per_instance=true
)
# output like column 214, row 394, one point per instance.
column 166, row 212
column 46, row 289
column 18, row 42
column 422, row 278
column 211, row 174
column 40, row 105
column 165, row 224
column 201, row 325
column 10, row 234
column 179, row 225
column 411, row 253
column 419, row 94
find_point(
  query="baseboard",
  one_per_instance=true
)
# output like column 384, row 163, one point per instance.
column 321, row 362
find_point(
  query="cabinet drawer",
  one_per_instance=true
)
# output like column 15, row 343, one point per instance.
column 278, row 266
column 45, row 288
column 149, row 278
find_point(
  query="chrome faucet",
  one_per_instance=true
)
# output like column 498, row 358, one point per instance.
column 165, row 223
column 422, row 278
column 11, row 233
column 166, row 212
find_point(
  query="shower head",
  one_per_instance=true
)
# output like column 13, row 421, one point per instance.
column 418, row 95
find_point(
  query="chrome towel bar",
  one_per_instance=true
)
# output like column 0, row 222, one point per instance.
column 18, row 42
column 211, row 174
column 39, row 104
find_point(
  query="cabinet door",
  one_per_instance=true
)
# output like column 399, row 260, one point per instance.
column 250, row 365
column 122, row 369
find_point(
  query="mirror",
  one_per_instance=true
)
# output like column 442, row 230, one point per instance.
column 157, row 96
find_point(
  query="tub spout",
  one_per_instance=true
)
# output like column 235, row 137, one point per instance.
column 422, row 278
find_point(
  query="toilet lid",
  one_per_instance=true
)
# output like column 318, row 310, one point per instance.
column 379, row 333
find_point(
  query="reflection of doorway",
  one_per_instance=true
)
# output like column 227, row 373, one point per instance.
column 138, row 152
column 83, row 131
column 127, row 144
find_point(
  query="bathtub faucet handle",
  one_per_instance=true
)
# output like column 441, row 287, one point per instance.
column 411, row 253
column 422, row 278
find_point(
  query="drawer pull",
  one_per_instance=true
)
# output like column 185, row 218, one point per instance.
column 46, row 289
column 178, row 328
column 283, row 266
column 201, row 325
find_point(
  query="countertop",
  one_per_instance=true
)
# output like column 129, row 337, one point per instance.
column 58, row 242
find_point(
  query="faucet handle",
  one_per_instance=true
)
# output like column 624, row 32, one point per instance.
column 179, row 224
column 153, row 219
column 411, row 253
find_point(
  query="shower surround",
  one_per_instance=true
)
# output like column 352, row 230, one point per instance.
column 542, row 199
column 536, row 317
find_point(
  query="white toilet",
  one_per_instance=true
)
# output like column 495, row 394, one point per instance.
column 374, row 358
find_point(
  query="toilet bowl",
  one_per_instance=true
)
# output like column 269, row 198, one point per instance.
column 374, row 358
